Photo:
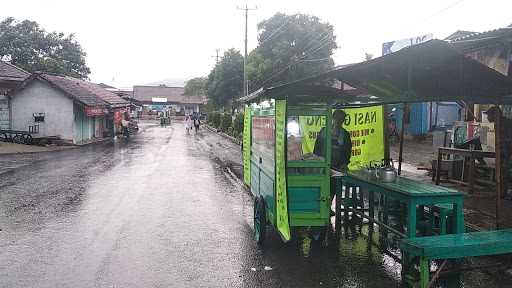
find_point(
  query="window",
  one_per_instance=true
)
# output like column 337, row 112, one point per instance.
column 303, row 138
column 38, row 117
column 263, row 142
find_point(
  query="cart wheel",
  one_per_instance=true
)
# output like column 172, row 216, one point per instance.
column 260, row 220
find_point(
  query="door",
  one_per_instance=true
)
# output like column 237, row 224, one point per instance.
column 79, row 124
column 4, row 112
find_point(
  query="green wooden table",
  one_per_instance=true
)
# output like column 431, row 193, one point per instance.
column 410, row 192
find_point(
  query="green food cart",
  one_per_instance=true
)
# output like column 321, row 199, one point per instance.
column 293, row 192
column 290, row 181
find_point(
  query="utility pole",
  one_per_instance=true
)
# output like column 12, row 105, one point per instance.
column 246, row 87
column 216, row 56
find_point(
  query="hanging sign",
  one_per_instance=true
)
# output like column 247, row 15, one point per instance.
column 366, row 129
column 94, row 111
column 247, row 146
column 283, row 226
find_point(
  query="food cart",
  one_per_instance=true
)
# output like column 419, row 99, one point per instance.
column 290, row 181
column 292, row 187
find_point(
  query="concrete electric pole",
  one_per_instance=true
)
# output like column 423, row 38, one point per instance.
column 246, row 87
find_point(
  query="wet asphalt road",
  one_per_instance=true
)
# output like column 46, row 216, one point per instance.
column 159, row 210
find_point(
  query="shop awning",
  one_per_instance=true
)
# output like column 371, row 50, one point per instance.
column 432, row 71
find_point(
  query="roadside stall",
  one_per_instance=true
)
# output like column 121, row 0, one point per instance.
column 293, row 185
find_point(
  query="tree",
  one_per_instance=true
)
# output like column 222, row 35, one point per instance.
column 225, row 81
column 30, row 47
column 290, row 47
column 196, row 86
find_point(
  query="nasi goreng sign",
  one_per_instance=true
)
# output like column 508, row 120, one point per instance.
column 366, row 128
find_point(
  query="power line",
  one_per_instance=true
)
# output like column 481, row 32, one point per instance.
column 316, row 60
column 307, row 51
column 443, row 10
column 276, row 33
column 216, row 56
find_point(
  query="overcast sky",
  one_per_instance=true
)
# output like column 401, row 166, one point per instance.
column 136, row 42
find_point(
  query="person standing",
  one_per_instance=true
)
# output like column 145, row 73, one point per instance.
column 341, row 143
column 188, row 124
column 341, row 146
column 197, row 122
column 506, row 148
column 125, row 124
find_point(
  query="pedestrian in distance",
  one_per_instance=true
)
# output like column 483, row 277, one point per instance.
column 197, row 122
column 188, row 124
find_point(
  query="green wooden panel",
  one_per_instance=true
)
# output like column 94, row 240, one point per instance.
column 459, row 245
column 313, row 189
column 304, row 199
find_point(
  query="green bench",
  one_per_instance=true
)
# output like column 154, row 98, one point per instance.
column 454, row 246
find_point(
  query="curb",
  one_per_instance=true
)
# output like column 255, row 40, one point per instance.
column 231, row 138
column 68, row 147
column 35, row 152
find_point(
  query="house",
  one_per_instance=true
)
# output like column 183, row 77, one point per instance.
column 71, row 109
column 163, row 97
column 492, row 48
column 10, row 77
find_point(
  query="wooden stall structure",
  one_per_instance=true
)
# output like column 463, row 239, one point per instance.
column 428, row 72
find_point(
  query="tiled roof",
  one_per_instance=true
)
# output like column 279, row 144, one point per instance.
column 10, row 72
column 172, row 94
column 85, row 92
column 106, row 86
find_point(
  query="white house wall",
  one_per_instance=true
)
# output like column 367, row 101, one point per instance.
column 39, row 97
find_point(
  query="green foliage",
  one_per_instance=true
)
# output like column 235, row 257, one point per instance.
column 32, row 48
column 238, row 124
column 226, row 122
column 196, row 86
column 290, row 47
column 214, row 119
column 225, row 82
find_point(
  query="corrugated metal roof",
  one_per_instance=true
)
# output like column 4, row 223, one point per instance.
column 495, row 33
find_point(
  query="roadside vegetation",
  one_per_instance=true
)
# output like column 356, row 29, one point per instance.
column 290, row 47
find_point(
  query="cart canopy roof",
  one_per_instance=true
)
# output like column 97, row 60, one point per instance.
column 432, row 71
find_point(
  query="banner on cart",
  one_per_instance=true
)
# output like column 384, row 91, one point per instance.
column 366, row 129
column 281, row 192
column 247, row 146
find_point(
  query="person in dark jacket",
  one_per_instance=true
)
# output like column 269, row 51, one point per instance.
column 341, row 144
